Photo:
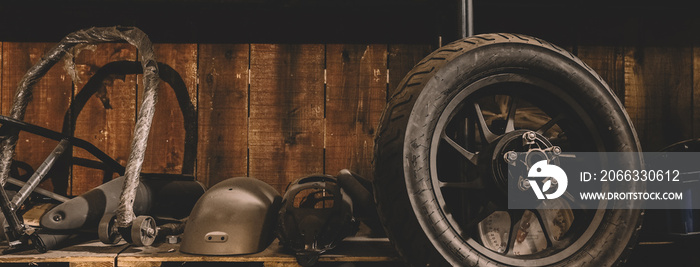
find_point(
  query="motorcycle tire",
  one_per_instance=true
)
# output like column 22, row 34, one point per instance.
column 413, row 207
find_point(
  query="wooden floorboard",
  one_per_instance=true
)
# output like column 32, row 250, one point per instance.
column 352, row 249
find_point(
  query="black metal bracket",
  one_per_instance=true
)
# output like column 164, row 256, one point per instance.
column 19, row 235
column 17, row 125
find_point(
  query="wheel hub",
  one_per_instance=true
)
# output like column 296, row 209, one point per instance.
column 504, row 151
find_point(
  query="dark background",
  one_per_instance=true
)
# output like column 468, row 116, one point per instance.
column 645, row 50
column 360, row 21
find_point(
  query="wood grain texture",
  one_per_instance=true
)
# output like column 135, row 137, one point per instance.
column 51, row 98
column 401, row 59
column 108, row 117
column 91, row 264
column 223, row 112
column 696, row 91
column 292, row 118
column 2, row 93
column 658, row 94
column 165, row 151
column 139, row 263
column 608, row 62
column 90, row 253
column 353, row 249
column 94, row 253
column 280, row 264
column 355, row 99
column 286, row 112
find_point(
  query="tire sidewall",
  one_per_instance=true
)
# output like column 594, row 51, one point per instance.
column 453, row 77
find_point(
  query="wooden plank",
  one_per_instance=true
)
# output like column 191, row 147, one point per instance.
column 2, row 93
column 696, row 91
column 281, row 264
column 91, row 264
column 658, row 94
column 52, row 96
column 352, row 249
column 355, row 99
column 108, row 117
column 401, row 59
column 608, row 62
column 286, row 112
column 223, row 112
column 139, row 263
column 165, row 151
column 92, row 251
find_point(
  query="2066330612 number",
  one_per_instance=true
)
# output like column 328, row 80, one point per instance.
column 639, row 175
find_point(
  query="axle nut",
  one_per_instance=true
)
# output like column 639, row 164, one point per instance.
column 510, row 156
column 524, row 185
column 173, row 239
column 530, row 136
column 556, row 150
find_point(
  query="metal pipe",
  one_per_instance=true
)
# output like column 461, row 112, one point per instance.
column 39, row 190
column 470, row 17
column 40, row 173
column 466, row 18
column 463, row 18
column 9, row 211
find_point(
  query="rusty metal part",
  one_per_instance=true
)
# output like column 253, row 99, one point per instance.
column 107, row 231
column 143, row 231
column 173, row 239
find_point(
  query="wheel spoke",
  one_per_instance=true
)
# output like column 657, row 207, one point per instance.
column 567, row 156
column 485, row 211
column 471, row 157
column 539, row 214
column 475, row 184
column 515, row 216
column 510, row 121
column 550, row 123
column 486, row 135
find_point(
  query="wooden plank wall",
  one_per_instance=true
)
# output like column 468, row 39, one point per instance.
column 48, row 107
column 106, row 124
column 656, row 84
column 286, row 125
column 278, row 112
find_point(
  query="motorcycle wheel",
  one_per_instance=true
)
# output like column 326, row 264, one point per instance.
column 437, row 140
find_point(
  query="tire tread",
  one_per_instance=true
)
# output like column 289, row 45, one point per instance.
column 400, row 226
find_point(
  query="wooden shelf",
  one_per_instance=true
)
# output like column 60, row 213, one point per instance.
column 91, row 253
column 88, row 252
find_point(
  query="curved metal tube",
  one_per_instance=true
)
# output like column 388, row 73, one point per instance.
column 23, row 95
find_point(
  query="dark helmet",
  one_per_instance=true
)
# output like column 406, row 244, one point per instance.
column 235, row 216
column 316, row 214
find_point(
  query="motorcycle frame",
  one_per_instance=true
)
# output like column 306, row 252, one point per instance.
column 20, row 234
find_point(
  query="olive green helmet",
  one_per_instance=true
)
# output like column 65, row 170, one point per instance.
column 236, row 216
